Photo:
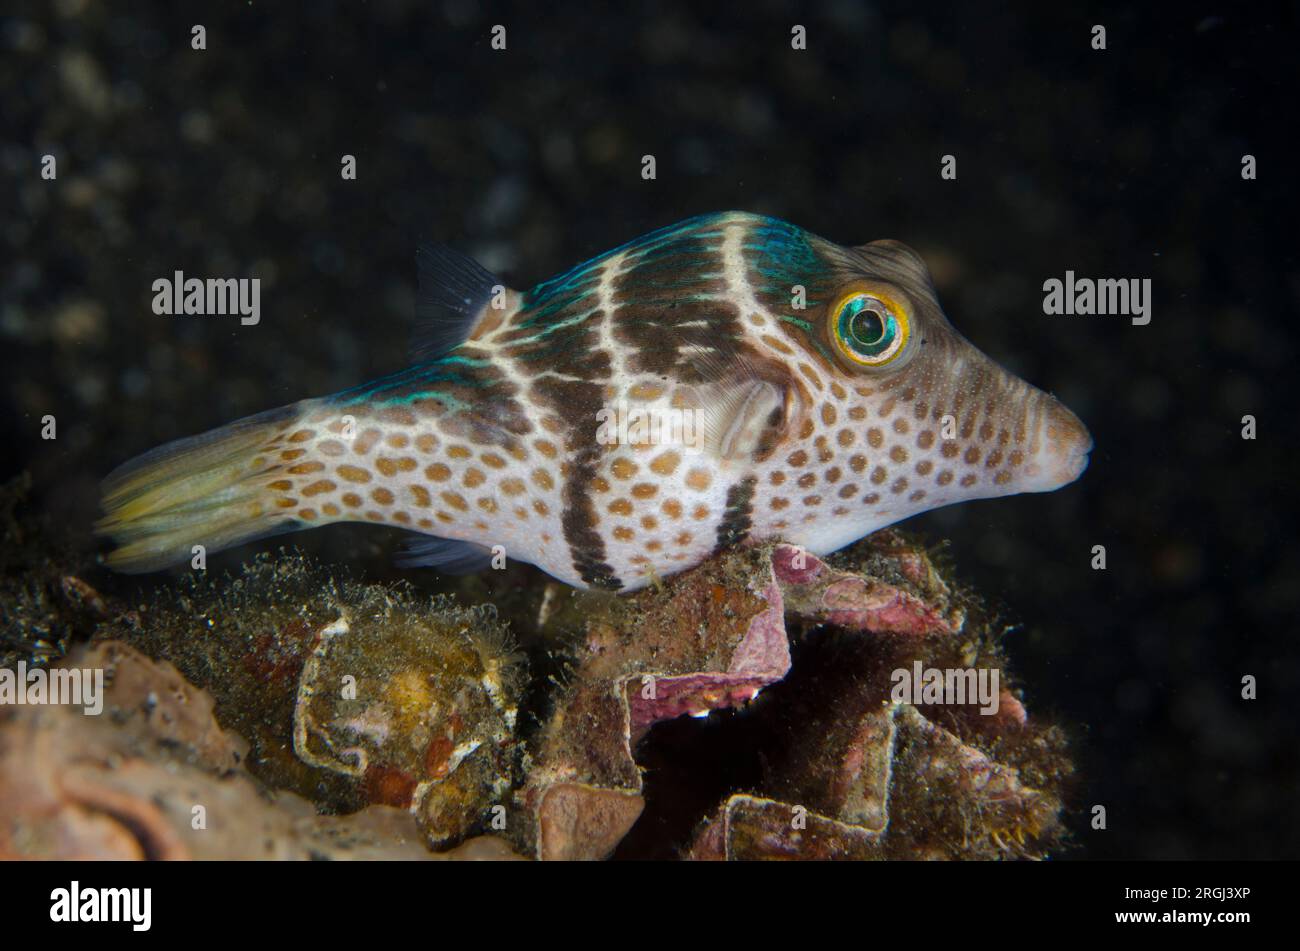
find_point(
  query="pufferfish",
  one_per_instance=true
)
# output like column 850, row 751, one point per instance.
column 729, row 378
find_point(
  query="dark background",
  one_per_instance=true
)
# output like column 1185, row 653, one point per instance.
column 1122, row 163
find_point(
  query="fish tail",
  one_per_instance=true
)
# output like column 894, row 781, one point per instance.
column 211, row 490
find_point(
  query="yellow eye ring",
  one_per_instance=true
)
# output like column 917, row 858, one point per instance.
column 869, row 328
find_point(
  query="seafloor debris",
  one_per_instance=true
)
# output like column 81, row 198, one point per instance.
column 43, row 608
column 155, row 776
column 851, row 773
column 350, row 694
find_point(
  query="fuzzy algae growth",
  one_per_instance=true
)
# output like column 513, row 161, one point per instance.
column 350, row 694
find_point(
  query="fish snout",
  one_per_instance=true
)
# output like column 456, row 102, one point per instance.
column 1064, row 444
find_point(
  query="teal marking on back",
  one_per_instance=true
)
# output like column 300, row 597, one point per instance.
column 436, row 381
column 783, row 257
column 556, row 295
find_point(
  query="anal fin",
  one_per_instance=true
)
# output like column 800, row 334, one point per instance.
column 450, row 556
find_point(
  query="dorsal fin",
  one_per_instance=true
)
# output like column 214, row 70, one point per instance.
column 453, row 290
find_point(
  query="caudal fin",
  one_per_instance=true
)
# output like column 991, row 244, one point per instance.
column 210, row 490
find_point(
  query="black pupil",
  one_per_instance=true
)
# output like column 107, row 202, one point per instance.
column 867, row 326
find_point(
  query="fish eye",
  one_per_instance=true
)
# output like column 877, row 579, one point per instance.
column 869, row 328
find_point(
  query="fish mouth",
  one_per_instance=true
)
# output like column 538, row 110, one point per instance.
column 1068, row 446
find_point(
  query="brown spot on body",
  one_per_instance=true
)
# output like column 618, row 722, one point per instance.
column 665, row 464
column 778, row 345
column 319, row 486
column 354, row 474
column 382, row 496
column 363, row 443
column 699, row 479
